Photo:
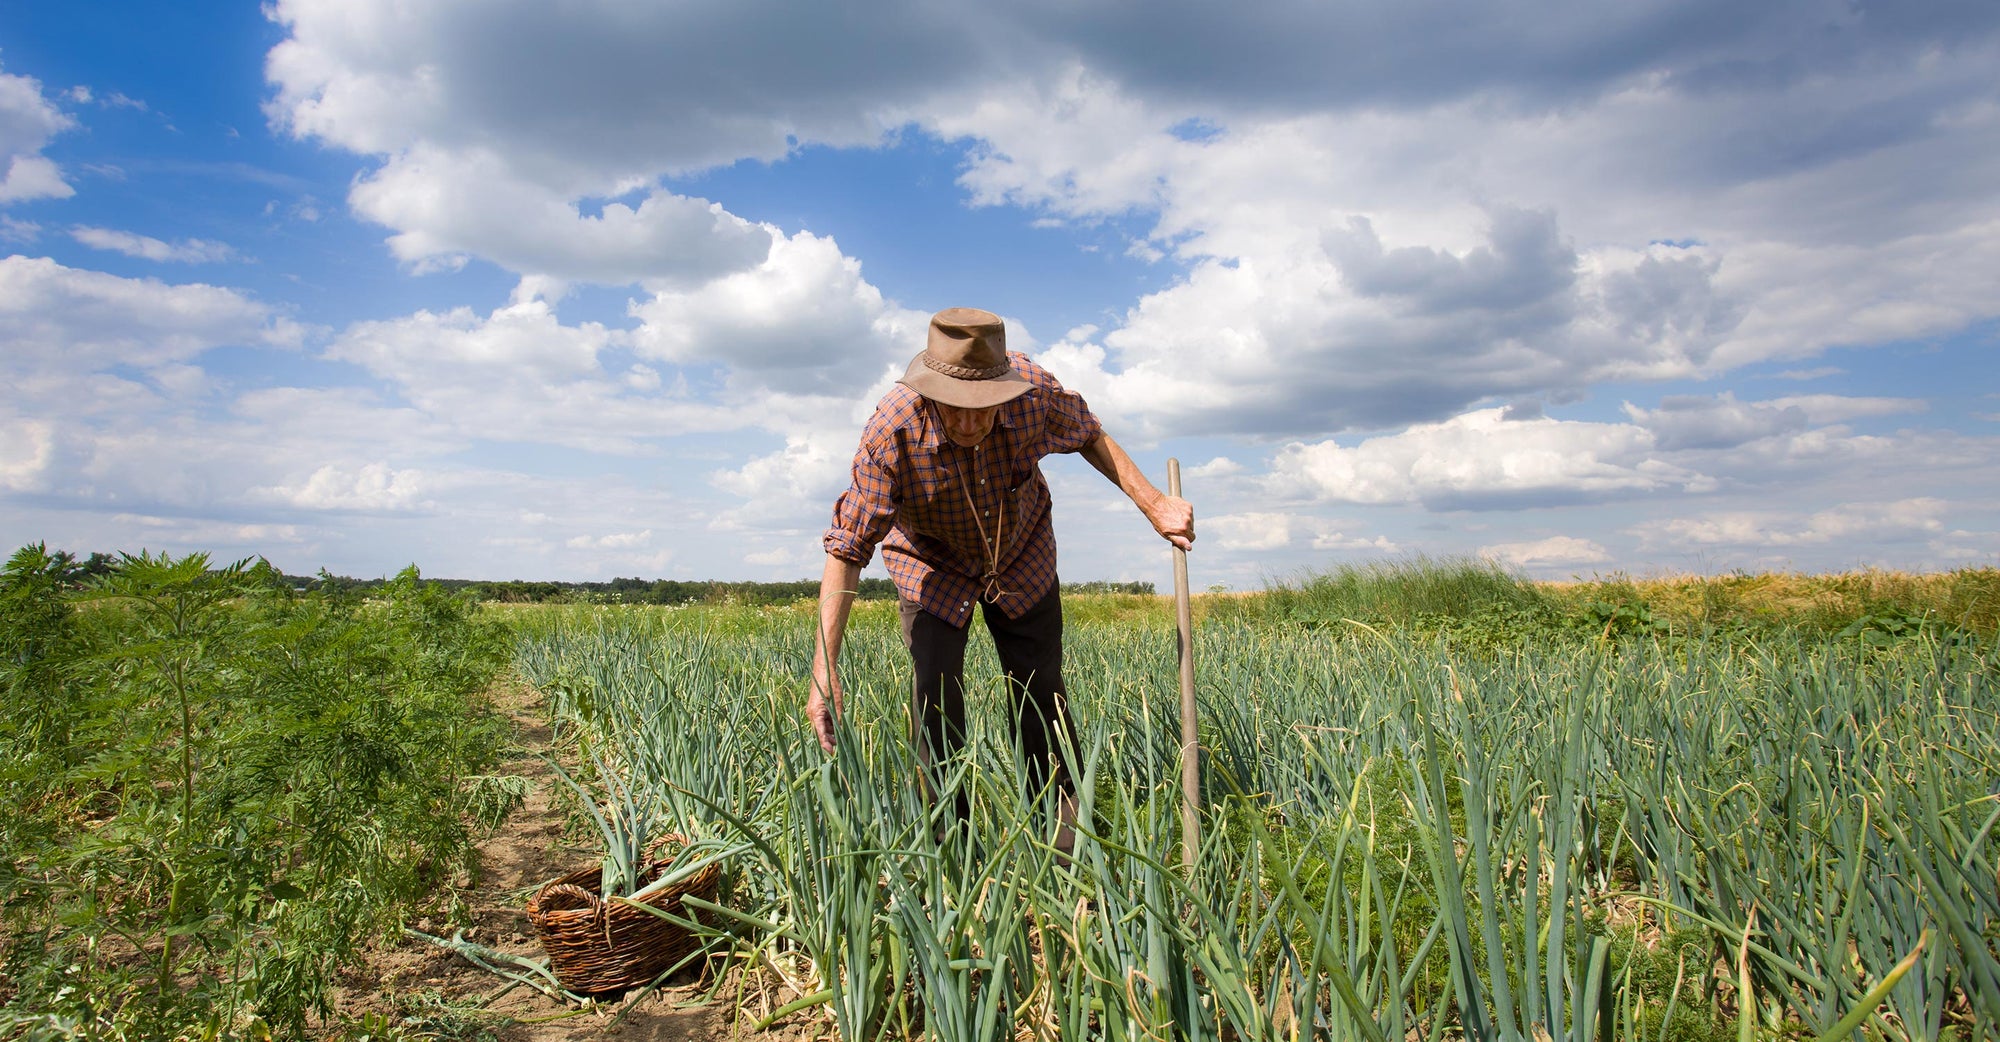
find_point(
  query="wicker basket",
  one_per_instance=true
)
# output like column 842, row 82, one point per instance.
column 598, row 947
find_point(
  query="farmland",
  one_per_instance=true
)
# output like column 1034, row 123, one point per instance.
column 1439, row 803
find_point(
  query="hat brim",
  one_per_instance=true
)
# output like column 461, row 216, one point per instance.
column 964, row 394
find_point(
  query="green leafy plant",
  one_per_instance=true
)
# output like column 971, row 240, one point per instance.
column 1623, row 618
column 234, row 787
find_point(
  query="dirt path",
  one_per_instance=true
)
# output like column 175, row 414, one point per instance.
column 419, row 987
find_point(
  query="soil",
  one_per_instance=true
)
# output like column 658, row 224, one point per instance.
column 427, row 991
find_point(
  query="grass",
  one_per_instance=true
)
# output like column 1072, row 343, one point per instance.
column 1402, row 590
column 1967, row 599
column 1432, row 594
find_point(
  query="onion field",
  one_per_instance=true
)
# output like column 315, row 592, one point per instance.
column 1406, row 836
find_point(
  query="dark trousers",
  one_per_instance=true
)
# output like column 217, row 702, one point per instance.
column 1030, row 650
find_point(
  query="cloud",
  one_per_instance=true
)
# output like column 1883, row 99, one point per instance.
column 188, row 251
column 781, row 557
column 62, row 320
column 1524, row 265
column 27, row 451
column 1556, row 550
column 808, row 469
column 117, row 437
column 1482, row 460
column 1252, row 531
column 1220, row 467
column 802, row 322
column 537, row 139
column 351, row 419
column 615, row 87
column 1264, row 531
column 1301, row 56
column 27, row 122
column 1362, row 335
column 1033, row 135
column 165, row 532
column 372, row 487
column 1690, row 422
column 519, row 374
column 1853, row 524
column 83, row 95
column 1363, row 266
column 448, row 205
column 1694, row 422
column 1506, row 458
column 612, row 541
column 1508, row 208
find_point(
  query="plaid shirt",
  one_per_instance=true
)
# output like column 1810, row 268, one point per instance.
column 957, row 525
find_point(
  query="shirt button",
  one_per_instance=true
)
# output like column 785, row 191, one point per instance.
column 965, row 604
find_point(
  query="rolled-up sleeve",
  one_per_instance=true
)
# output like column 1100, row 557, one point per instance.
column 1071, row 424
column 862, row 515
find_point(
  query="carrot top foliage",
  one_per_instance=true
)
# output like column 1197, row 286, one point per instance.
column 213, row 789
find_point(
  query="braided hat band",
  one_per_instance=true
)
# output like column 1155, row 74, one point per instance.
column 964, row 362
column 960, row 372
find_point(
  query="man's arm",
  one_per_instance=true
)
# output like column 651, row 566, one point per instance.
column 838, row 586
column 1171, row 516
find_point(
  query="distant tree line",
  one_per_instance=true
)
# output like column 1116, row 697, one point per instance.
column 1104, row 586
column 73, row 573
column 676, row 591
column 635, row 590
column 77, row 572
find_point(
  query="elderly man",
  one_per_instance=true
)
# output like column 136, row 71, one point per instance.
column 948, row 481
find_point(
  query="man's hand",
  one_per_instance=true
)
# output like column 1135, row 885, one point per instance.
column 836, row 596
column 821, row 709
column 1173, row 518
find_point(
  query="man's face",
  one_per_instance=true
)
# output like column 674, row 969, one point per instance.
column 967, row 427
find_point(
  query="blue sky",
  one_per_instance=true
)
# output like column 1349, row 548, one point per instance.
column 511, row 289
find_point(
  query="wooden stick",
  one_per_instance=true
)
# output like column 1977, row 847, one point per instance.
column 1190, row 733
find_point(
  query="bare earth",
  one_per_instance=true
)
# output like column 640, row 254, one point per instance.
column 399, row 980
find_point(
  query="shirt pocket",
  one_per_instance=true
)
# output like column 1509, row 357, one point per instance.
column 934, row 499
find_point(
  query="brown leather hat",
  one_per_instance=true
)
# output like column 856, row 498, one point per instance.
column 964, row 363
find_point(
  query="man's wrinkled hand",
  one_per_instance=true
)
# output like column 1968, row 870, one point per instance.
column 821, row 711
column 1173, row 518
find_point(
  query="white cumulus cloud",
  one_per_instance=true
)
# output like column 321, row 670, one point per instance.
column 27, row 121
column 447, row 205
column 1481, row 458
column 804, row 321
column 370, row 487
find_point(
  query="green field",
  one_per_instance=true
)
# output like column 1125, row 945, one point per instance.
column 1439, row 802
